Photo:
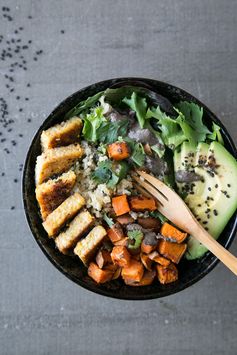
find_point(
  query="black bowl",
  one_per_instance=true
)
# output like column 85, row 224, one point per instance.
column 190, row 271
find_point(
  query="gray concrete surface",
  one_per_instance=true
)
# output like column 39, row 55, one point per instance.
column 191, row 44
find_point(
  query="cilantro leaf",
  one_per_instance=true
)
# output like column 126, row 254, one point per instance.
column 139, row 105
column 108, row 132
column 157, row 214
column 135, row 237
column 110, row 173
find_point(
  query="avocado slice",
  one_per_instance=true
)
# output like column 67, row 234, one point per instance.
column 217, row 170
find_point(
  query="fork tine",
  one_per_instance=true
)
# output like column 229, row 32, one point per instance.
column 151, row 190
column 143, row 191
column 163, row 189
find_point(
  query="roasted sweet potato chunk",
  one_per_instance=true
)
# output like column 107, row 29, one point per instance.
column 98, row 275
column 118, row 150
column 120, row 256
column 147, row 262
column 172, row 251
column 155, row 256
column 146, row 280
column 169, row 231
column 115, row 233
column 103, row 258
column 167, row 274
column 142, row 203
column 134, row 271
column 120, row 205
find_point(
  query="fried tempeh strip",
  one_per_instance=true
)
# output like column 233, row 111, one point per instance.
column 78, row 226
column 86, row 247
column 63, row 213
column 61, row 134
column 52, row 193
column 56, row 161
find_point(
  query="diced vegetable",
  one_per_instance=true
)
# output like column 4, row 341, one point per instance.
column 120, row 205
column 125, row 219
column 149, row 223
column 147, row 279
column 118, row 150
column 155, row 256
column 147, row 262
column 142, row 203
column 115, row 233
column 167, row 274
column 147, row 249
column 134, row 271
column 98, row 275
column 172, row 251
column 120, row 256
column 169, row 231
column 103, row 258
column 135, row 239
column 123, row 242
column 117, row 273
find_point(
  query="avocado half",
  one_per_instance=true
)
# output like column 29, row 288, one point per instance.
column 213, row 196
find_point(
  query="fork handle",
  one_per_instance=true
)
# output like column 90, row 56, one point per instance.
column 216, row 248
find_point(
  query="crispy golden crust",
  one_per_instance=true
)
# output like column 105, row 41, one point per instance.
column 62, row 134
column 79, row 225
column 63, row 213
column 86, row 247
column 56, row 161
column 52, row 193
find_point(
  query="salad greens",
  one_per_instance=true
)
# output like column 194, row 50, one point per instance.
column 171, row 125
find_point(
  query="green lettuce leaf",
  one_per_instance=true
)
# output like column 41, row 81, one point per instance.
column 216, row 134
column 92, row 122
column 193, row 115
column 171, row 132
column 138, row 154
column 84, row 105
column 139, row 105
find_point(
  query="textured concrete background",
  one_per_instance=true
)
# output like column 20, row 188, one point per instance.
column 191, row 44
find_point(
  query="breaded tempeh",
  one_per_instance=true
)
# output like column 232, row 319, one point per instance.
column 86, row 247
column 63, row 213
column 56, row 161
column 79, row 225
column 52, row 193
column 62, row 134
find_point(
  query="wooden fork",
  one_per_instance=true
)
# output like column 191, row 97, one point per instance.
column 175, row 209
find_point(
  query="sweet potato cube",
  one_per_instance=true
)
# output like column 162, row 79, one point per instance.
column 120, row 205
column 169, row 231
column 98, row 275
column 158, row 258
column 146, row 280
column 142, row 203
column 120, row 256
column 134, row 271
column 118, row 150
column 115, row 233
column 167, row 274
column 172, row 251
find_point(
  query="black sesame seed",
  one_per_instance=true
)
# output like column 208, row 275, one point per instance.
column 204, row 222
column 215, row 212
column 20, row 109
column 228, row 185
column 228, row 196
column 29, row 120
column 209, row 188
column 62, row 31
column 216, row 186
column 3, row 174
column 206, row 228
column 28, row 85
column 15, row 180
column 18, row 97
column 12, row 207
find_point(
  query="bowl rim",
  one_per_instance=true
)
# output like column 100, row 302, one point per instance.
column 81, row 283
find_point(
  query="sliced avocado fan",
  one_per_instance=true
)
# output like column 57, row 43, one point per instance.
column 213, row 198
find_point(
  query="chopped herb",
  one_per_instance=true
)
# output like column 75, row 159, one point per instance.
column 135, row 239
column 108, row 220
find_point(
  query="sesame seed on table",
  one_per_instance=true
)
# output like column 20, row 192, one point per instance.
column 48, row 50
